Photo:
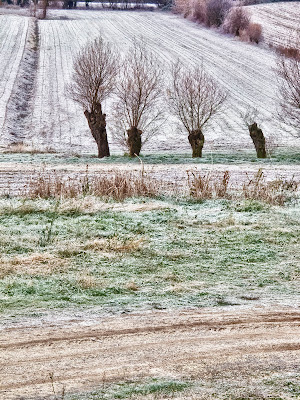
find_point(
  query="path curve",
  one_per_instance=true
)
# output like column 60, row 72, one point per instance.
column 84, row 353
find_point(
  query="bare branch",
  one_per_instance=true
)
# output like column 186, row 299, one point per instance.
column 139, row 91
column 95, row 70
column 194, row 96
column 288, row 70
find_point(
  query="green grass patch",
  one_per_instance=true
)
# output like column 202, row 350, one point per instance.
column 177, row 254
column 281, row 156
column 214, row 384
column 128, row 390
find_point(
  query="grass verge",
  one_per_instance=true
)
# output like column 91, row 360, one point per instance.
column 281, row 156
column 145, row 254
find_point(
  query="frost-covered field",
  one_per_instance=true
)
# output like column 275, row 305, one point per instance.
column 246, row 71
column 13, row 34
column 280, row 21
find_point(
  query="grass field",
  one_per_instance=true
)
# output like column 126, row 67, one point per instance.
column 185, row 292
column 144, row 254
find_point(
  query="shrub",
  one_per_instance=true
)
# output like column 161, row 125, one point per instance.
column 236, row 21
column 254, row 32
column 205, row 186
column 275, row 192
column 199, row 11
column 183, row 7
column 257, row 188
column 216, row 12
column 290, row 52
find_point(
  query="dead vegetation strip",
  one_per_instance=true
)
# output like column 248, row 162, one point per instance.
column 119, row 184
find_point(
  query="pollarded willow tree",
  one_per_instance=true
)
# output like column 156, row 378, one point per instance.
column 252, row 119
column 137, row 111
column 194, row 98
column 93, row 81
column 289, row 86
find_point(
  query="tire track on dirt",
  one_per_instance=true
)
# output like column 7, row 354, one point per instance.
column 83, row 352
column 155, row 329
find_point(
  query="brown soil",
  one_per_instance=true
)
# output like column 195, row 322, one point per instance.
column 86, row 353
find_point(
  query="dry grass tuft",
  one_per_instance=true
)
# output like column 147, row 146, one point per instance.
column 21, row 147
column 132, row 286
column 226, row 222
column 86, row 281
column 119, row 185
column 40, row 264
column 207, row 186
column 276, row 192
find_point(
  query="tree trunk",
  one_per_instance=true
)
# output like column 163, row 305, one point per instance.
column 97, row 124
column 258, row 139
column 134, row 141
column 196, row 139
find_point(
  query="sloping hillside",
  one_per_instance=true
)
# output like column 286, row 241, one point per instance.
column 246, row 71
column 280, row 22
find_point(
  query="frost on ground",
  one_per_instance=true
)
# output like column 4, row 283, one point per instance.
column 280, row 22
column 13, row 34
column 246, row 71
column 19, row 106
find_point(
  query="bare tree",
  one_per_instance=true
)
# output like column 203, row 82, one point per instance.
column 199, row 11
column 194, row 98
column 288, row 70
column 95, row 70
column 43, row 4
column 216, row 11
column 137, row 110
column 236, row 21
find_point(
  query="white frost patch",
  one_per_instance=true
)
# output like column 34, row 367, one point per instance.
column 13, row 33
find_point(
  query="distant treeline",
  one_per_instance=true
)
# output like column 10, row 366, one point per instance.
column 249, row 2
column 114, row 4
column 125, row 4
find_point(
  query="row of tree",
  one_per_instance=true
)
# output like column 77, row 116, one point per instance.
column 141, row 101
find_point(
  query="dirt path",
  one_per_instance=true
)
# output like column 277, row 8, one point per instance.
column 15, row 176
column 85, row 353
